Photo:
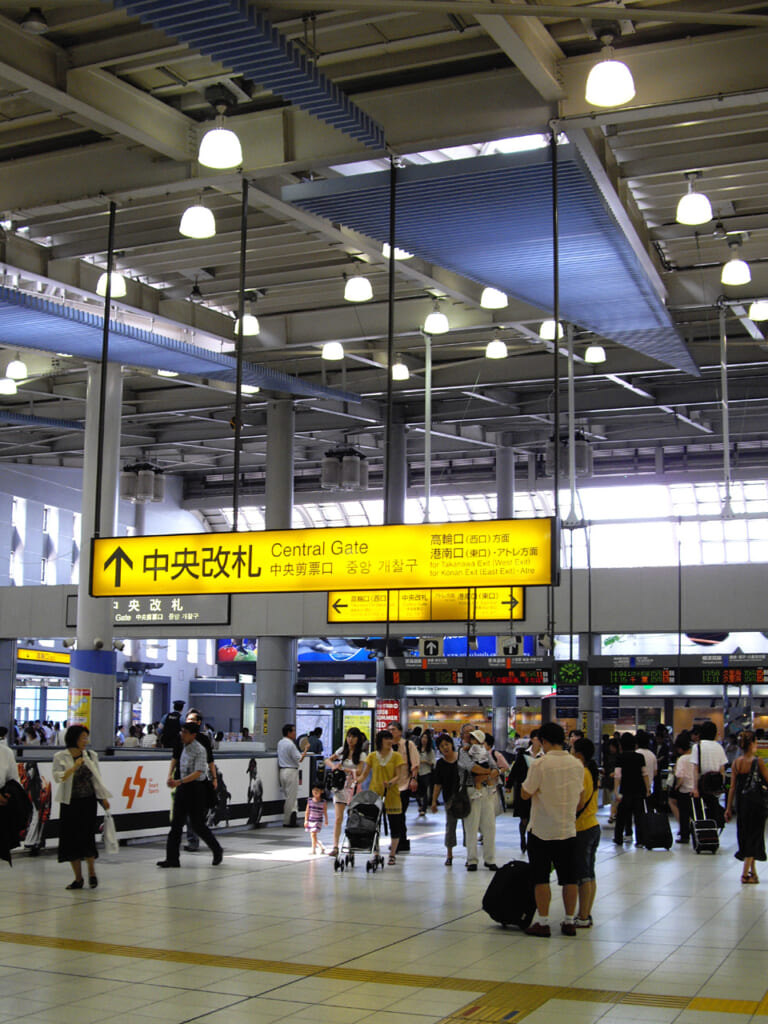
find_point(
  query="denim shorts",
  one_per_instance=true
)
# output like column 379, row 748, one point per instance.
column 587, row 843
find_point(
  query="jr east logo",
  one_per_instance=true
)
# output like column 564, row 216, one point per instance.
column 135, row 787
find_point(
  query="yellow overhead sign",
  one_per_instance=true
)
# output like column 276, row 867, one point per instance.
column 54, row 657
column 456, row 604
column 519, row 552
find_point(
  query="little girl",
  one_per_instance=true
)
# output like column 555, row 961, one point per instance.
column 315, row 815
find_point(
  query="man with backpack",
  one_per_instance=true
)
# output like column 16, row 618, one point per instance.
column 170, row 726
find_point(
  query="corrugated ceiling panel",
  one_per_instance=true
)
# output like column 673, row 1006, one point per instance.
column 244, row 41
column 490, row 219
column 27, row 321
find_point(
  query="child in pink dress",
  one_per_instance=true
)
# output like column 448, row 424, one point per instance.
column 315, row 816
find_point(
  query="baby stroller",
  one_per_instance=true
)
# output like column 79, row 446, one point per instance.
column 361, row 833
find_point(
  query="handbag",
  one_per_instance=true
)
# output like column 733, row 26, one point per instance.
column 109, row 834
column 755, row 791
column 211, row 796
column 459, row 805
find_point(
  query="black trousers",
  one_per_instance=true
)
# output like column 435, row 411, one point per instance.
column 684, row 809
column 189, row 801
column 629, row 807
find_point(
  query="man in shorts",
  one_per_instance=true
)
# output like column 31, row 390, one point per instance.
column 554, row 785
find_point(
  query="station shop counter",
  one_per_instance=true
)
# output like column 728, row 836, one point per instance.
column 141, row 801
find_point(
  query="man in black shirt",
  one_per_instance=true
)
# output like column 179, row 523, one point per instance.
column 634, row 787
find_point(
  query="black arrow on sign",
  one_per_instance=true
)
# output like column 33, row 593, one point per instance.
column 118, row 556
column 512, row 602
column 337, row 605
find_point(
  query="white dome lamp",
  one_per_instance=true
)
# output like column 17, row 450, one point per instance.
column 492, row 298
column 220, row 148
column 594, row 354
column 400, row 370
column 250, row 321
column 610, row 82
column 496, row 349
column 357, row 288
column 16, row 369
column 758, row 310
column 117, row 288
column 437, row 321
column 694, row 207
column 736, row 271
column 197, row 221
column 547, row 330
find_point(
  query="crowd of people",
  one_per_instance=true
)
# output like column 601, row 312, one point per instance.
column 553, row 786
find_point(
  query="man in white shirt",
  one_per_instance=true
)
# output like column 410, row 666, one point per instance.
column 554, row 785
column 288, row 761
column 709, row 761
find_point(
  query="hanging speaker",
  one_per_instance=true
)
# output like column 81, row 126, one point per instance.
column 363, row 473
column 330, row 473
column 145, row 485
column 127, row 486
column 350, row 472
column 158, row 487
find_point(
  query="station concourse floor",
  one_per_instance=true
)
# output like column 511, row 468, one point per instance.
column 273, row 934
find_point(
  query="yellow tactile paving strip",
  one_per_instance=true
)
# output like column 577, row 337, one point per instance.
column 496, row 1002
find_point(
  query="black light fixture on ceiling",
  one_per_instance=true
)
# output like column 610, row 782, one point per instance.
column 195, row 294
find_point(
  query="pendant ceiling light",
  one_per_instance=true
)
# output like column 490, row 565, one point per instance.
column 758, row 310
column 610, row 82
column 7, row 386
column 118, row 289
column 492, row 298
column 436, row 322
column 167, row 373
column 333, row 351
column 594, row 354
column 547, row 330
column 400, row 254
column 197, row 221
column 399, row 370
column 496, row 349
column 250, row 389
column 34, row 22
column 694, row 207
column 736, row 271
column 16, row 369
column 357, row 288
column 220, row 148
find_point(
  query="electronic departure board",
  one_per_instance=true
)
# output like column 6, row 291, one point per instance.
column 468, row 677
column 723, row 675
column 632, row 676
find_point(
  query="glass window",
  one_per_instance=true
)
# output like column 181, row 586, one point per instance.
column 26, row 704
column 192, row 655
column 56, row 703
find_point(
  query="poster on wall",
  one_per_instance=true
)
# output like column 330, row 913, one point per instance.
column 79, row 706
column 387, row 710
column 359, row 718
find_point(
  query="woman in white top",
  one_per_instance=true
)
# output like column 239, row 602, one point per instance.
column 427, row 760
column 350, row 760
column 76, row 770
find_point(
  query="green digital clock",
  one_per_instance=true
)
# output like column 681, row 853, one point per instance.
column 572, row 672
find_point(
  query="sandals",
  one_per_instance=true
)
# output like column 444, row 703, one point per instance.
column 78, row 884
column 391, row 860
column 334, row 852
column 750, row 879
column 448, row 861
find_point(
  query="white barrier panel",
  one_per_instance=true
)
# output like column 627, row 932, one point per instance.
column 139, row 791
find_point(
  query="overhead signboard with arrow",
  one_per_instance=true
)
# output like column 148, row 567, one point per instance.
column 512, row 552
column 456, row 604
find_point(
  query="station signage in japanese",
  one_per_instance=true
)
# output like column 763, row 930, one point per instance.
column 455, row 604
column 180, row 610
column 511, row 552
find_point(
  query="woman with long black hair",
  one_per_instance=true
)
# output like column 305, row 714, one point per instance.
column 346, row 759
column 746, row 772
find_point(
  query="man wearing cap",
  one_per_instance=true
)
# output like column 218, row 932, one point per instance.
column 477, row 763
column 189, row 799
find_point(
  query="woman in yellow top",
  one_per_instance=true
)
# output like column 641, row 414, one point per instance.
column 587, row 832
column 388, row 772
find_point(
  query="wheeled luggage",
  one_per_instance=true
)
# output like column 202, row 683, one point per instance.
column 509, row 898
column 705, row 834
column 652, row 829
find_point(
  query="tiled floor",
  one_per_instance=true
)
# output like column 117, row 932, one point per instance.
column 274, row 934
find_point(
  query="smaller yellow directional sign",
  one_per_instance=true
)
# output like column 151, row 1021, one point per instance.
column 452, row 604
column 519, row 552
column 55, row 657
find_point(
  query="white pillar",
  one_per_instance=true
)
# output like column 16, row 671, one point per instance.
column 93, row 662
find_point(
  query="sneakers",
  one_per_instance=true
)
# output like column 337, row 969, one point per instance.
column 568, row 928
column 583, row 922
column 540, row 930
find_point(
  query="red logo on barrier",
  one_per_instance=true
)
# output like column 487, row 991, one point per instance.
column 134, row 787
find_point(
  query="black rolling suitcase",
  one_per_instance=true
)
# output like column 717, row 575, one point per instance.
column 705, row 834
column 652, row 829
column 509, row 898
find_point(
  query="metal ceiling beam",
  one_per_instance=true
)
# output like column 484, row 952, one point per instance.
column 531, row 49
